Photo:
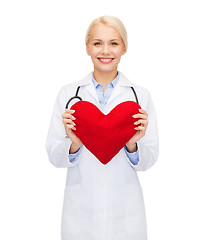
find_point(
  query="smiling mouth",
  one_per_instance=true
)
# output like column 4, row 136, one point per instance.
column 105, row 60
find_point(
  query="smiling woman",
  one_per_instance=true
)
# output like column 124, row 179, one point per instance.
column 110, row 135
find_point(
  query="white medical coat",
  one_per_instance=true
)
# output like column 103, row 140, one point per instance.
column 102, row 202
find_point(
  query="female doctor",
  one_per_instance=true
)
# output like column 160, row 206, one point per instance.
column 103, row 201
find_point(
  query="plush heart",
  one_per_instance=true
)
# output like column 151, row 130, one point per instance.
column 105, row 135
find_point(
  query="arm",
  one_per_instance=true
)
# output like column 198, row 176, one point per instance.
column 148, row 145
column 73, row 156
column 132, row 154
column 57, row 145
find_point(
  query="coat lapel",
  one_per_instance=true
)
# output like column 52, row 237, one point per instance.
column 90, row 88
column 118, row 89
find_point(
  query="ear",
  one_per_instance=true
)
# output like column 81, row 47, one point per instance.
column 87, row 49
column 124, row 51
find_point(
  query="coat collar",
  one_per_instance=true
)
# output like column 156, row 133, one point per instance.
column 123, row 81
column 118, row 89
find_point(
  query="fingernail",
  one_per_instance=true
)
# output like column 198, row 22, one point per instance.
column 72, row 111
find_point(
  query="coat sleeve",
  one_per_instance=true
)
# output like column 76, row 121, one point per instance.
column 57, row 144
column 148, row 146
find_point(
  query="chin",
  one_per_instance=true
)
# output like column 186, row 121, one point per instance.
column 106, row 68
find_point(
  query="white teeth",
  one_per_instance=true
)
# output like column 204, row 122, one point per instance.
column 105, row 59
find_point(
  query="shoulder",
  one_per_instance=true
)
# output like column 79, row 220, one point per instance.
column 144, row 97
column 70, row 89
column 140, row 90
column 143, row 94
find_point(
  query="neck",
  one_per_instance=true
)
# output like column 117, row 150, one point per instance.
column 104, row 78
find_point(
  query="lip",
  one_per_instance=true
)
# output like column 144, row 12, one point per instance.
column 106, row 62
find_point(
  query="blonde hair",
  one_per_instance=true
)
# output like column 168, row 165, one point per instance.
column 110, row 21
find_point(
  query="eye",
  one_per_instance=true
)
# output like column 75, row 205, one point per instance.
column 96, row 43
column 114, row 43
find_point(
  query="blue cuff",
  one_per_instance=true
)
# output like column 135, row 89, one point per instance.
column 72, row 156
column 133, row 157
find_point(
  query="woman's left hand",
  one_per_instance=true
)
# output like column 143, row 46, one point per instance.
column 141, row 128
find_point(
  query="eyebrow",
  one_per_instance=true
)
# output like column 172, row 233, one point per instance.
column 101, row 40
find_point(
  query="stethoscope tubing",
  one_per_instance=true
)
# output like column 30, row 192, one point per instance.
column 76, row 96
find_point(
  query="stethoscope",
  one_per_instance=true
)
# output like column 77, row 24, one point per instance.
column 76, row 96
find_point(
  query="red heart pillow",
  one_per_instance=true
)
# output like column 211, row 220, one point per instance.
column 105, row 135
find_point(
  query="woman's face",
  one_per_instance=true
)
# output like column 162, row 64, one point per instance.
column 105, row 48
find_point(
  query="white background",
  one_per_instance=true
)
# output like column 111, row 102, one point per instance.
column 171, row 52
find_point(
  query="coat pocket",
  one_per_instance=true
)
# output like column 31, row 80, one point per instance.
column 70, row 223
column 135, row 212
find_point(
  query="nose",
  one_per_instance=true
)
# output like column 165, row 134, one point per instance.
column 105, row 49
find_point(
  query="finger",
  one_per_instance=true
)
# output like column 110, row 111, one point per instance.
column 140, row 115
column 68, row 121
column 140, row 128
column 68, row 116
column 143, row 111
column 141, row 121
column 70, row 126
column 70, row 111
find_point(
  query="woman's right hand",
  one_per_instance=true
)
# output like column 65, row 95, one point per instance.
column 70, row 126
